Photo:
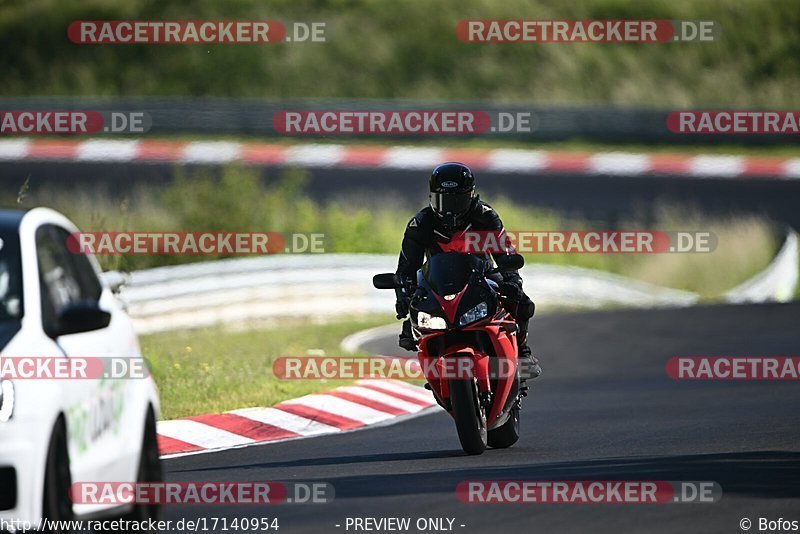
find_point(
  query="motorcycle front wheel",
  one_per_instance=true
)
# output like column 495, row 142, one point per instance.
column 470, row 417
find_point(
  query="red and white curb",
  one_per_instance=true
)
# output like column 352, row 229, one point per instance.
column 397, row 157
column 368, row 402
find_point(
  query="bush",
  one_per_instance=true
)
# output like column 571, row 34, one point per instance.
column 379, row 49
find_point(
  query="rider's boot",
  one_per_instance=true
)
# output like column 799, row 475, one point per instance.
column 528, row 364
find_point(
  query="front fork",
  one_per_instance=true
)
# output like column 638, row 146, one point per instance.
column 486, row 398
column 463, row 366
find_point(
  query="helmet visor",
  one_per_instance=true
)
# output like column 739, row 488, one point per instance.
column 451, row 203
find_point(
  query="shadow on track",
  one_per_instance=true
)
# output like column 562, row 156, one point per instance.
column 759, row 474
column 336, row 460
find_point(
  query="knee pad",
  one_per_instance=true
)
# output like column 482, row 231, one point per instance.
column 525, row 309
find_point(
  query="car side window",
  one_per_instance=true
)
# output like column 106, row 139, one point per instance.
column 88, row 283
column 10, row 278
column 64, row 278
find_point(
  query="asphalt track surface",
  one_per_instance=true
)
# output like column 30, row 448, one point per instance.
column 604, row 409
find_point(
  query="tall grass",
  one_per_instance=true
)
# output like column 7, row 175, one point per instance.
column 384, row 49
column 238, row 201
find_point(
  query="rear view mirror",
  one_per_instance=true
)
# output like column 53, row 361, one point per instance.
column 82, row 317
column 385, row 281
column 509, row 262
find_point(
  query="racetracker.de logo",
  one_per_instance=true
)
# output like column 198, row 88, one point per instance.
column 116, row 493
column 39, row 121
column 587, row 492
column 585, row 31
column 176, row 32
column 580, row 242
column 733, row 368
column 194, row 243
column 71, row 368
column 734, row 122
column 390, row 122
column 385, row 367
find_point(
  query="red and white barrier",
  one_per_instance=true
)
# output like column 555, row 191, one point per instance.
column 397, row 157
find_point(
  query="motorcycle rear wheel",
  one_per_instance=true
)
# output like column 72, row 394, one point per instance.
column 507, row 434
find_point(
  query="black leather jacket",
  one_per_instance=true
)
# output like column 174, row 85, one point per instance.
column 424, row 237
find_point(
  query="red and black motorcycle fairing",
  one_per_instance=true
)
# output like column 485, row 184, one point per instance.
column 463, row 331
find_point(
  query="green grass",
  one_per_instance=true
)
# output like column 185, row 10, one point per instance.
column 383, row 49
column 215, row 369
column 745, row 246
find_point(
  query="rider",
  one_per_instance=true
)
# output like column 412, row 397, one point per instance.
column 455, row 207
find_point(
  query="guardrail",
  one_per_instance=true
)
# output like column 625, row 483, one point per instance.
column 331, row 285
column 226, row 116
column 279, row 287
column 775, row 283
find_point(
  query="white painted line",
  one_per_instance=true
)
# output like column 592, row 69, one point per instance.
column 11, row 149
column 400, row 389
column 315, row 155
column 286, row 421
column 341, row 407
column 385, row 398
column 107, row 150
column 510, row 160
column 200, row 434
column 403, row 157
column 211, row 152
column 619, row 163
column 722, row 166
column 792, row 168
column 354, row 342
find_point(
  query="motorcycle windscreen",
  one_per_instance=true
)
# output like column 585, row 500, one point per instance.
column 448, row 273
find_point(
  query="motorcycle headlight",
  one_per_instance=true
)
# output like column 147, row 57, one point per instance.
column 478, row 312
column 430, row 322
column 6, row 400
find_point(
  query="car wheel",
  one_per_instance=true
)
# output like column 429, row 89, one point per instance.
column 56, row 505
column 149, row 469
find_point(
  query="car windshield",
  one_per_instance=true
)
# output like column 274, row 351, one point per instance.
column 10, row 277
column 448, row 273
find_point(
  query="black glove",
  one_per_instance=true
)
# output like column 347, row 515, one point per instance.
column 517, row 302
column 402, row 305
column 511, row 291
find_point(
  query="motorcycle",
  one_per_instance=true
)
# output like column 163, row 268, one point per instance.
column 467, row 344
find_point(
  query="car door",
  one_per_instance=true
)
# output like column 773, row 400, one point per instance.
column 93, row 406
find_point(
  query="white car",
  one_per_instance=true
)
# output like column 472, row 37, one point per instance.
column 54, row 433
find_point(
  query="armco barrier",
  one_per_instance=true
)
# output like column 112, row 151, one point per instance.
column 226, row 116
column 331, row 285
column 775, row 283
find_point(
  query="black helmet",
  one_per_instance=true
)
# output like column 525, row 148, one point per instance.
column 452, row 193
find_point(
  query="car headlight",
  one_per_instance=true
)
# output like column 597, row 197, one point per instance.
column 430, row 322
column 6, row 400
column 478, row 312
